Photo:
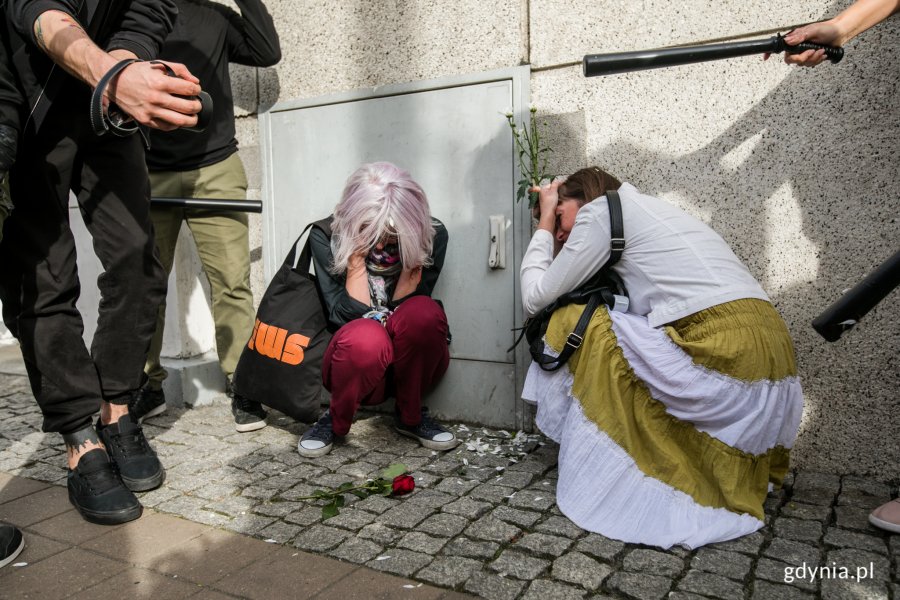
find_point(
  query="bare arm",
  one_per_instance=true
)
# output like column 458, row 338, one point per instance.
column 142, row 90
column 357, row 281
column 407, row 283
column 855, row 19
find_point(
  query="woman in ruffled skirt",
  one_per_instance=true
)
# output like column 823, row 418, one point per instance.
column 676, row 417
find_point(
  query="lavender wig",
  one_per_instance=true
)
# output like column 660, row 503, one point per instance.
column 381, row 199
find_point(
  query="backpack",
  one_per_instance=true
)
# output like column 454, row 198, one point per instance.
column 605, row 287
column 281, row 365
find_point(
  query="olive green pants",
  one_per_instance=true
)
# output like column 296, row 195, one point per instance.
column 223, row 246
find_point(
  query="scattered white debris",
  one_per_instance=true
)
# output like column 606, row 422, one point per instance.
column 270, row 541
column 546, row 483
column 511, row 495
column 410, row 586
column 433, row 453
column 539, row 498
column 500, row 468
column 463, row 428
column 385, row 557
column 466, row 461
column 20, row 565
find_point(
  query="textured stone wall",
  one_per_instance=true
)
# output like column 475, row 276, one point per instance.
column 796, row 168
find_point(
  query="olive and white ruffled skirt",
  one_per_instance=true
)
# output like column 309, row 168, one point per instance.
column 671, row 435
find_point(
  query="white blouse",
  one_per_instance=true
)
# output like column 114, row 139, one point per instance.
column 673, row 265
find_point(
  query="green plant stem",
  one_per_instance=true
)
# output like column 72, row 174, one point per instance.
column 335, row 493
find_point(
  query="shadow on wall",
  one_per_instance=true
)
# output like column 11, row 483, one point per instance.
column 805, row 188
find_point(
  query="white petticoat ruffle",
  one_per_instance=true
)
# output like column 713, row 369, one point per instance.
column 601, row 488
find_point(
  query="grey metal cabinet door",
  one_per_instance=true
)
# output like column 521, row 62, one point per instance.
column 452, row 137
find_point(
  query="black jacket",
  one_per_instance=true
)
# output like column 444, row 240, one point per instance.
column 207, row 36
column 137, row 26
column 340, row 307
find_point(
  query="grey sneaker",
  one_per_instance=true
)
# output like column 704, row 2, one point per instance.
column 146, row 403
column 11, row 543
column 318, row 439
column 248, row 415
column 428, row 432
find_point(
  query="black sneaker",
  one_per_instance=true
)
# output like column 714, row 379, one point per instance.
column 428, row 432
column 135, row 459
column 248, row 414
column 318, row 439
column 97, row 491
column 146, row 403
column 11, row 543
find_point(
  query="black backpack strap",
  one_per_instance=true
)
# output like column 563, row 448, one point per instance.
column 300, row 262
column 574, row 339
column 616, row 228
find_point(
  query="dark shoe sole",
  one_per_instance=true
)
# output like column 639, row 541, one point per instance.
column 14, row 554
column 146, row 484
column 115, row 517
column 248, row 427
column 430, row 444
column 153, row 413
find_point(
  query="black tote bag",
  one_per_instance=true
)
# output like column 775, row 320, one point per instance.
column 281, row 365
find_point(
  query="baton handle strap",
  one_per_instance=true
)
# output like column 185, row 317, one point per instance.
column 113, row 118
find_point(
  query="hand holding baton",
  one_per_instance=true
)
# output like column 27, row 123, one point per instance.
column 624, row 62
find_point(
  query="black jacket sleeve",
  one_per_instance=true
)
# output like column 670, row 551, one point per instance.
column 340, row 307
column 23, row 13
column 251, row 38
column 141, row 26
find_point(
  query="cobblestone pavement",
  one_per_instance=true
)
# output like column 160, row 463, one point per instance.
column 482, row 519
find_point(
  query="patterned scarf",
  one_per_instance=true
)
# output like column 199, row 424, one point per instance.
column 383, row 268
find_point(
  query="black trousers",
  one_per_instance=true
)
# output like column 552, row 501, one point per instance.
column 38, row 277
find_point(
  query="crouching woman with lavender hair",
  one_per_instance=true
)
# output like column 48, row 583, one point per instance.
column 376, row 274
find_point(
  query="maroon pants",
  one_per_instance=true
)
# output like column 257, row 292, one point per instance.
column 365, row 361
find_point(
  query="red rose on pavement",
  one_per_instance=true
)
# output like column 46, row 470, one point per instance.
column 402, row 484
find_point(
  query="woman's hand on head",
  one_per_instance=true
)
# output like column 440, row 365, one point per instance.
column 548, row 199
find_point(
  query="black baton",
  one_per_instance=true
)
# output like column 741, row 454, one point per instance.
column 853, row 305
column 254, row 206
column 624, row 62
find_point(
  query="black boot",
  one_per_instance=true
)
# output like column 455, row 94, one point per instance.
column 135, row 459
column 97, row 491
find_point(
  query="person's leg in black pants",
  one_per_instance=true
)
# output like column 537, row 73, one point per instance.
column 39, row 287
